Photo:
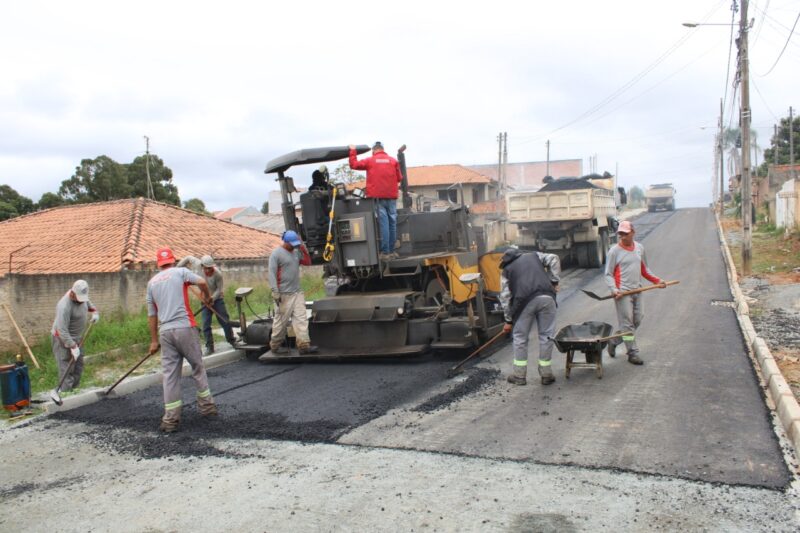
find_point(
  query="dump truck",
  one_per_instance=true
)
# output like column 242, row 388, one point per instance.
column 439, row 294
column 660, row 196
column 574, row 218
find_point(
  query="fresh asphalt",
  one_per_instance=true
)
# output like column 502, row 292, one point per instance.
column 694, row 410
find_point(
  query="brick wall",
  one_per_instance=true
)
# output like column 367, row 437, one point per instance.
column 32, row 298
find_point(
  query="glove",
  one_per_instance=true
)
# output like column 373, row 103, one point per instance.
column 95, row 317
column 76, row 352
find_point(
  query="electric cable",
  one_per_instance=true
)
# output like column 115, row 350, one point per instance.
column 789, row 38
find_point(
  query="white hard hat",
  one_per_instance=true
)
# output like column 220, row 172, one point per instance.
column 207, row 261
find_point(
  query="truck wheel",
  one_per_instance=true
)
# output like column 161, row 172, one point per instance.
column 582, row 255
column 604, row 244
column 595, row 253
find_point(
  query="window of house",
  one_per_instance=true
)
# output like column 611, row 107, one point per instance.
column 448, row 194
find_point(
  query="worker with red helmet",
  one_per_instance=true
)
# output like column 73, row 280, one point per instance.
column 168, row 304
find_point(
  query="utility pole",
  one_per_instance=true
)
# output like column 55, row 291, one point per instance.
column 150, row 193
column 505, row 160
column 721, row 162
column 791, row 143
column 744, row 72
column 500, row 164
column 547, row 172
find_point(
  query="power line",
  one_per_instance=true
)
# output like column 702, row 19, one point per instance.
column 784, row 47
column 730, row 50
column 633, row 81
column 763, row 100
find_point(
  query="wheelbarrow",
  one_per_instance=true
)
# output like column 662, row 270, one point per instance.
column 590, row 338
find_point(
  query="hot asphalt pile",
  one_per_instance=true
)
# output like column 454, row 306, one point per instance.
column 305, row 403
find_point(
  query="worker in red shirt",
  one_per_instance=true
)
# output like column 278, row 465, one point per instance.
column 383, row 177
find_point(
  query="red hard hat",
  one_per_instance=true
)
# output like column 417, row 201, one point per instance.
column 164, row 256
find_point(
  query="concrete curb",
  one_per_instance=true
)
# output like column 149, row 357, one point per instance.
column 138, row 383
column 785, row 404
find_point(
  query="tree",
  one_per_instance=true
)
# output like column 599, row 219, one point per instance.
column 7, row 210
column 196, row 205
column 265, row 208
column 96, row 180
column 49, row 200
column 19, row 204
column 780, row 144
column 344, row 174
column 636, row 196
column 160, row 176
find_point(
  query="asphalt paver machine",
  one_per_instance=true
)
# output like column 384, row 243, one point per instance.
column 438, row 294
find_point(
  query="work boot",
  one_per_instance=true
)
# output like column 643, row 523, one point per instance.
column 384, row 257
column 517, row 377
column 546, row 373
column 279, row 350
column 634, row 359
column 307, row 349
column 209, row 350
column 612, row 348
column 209, row 409
column 516, row 380
column 169, row 426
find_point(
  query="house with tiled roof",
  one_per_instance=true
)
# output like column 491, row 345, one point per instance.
column 447, row 183
column 112, row 245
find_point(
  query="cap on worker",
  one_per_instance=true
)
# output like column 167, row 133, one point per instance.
column 81, row 290
column 291, row 238
column 509, row 256
column 207, row 261
column 625, row 227
column 164, row 256
column 377, row 146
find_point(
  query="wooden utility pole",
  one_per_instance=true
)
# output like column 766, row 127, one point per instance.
column 744, row 73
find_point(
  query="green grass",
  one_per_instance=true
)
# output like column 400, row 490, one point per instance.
column 118, row 341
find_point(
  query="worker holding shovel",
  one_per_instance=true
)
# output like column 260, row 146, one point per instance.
column 72, row 312
column 626, row 265
column 168, row 305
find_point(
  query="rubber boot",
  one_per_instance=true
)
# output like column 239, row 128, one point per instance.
column 518, row 376
column 546, row 373
column 209, row 349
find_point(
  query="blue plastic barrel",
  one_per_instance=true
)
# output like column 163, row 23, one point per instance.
column 15, row 386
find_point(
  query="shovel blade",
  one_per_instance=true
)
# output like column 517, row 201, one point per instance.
column 590, row 294
column 56, row 397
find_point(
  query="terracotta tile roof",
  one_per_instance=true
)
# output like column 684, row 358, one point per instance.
column 229, row 213
column 109, row 236
column 436, row 175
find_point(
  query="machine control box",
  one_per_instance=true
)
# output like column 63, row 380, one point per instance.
column 352, row 230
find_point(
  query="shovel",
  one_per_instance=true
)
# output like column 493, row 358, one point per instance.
column 56, row 394
column 457, row 369
column 128, row 373
column 626, row 293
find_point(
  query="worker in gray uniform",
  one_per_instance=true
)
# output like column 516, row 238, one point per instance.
column 528, row 287
column 213, row 277
column 72, row 313
column 284, row 280
column 626, row 265
column 168, row 304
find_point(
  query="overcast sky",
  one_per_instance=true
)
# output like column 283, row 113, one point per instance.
column 223, row 87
